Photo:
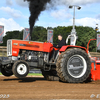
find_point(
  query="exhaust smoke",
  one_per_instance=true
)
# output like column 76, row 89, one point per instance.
column 35, row 7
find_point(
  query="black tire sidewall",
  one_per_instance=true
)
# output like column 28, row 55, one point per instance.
column 15, row 66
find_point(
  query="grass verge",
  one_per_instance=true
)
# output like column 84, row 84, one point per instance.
column 31, row 74
column 34, row 74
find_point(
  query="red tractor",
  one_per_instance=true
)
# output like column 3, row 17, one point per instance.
column 72, row 63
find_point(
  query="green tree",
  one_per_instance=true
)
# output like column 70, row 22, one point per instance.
column 39, row 34
column 84, row 35
column 12, row 35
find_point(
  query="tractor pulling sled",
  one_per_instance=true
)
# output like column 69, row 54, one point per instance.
column 72, row 64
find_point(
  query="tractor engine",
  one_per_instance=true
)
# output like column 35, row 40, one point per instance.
column 33, row 56
column 30, row 55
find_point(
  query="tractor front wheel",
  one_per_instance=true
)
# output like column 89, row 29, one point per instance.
column 6, row 72
column 20, row 69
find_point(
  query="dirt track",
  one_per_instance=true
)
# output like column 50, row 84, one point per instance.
column 39, row 88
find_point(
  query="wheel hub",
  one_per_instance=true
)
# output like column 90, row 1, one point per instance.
column 76, row 66
column 21, row 69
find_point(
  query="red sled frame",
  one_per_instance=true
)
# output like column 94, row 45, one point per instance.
column 95, row 64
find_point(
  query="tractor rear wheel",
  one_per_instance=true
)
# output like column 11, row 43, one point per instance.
column 50, row 75
column 73, row 66
column 20, row 69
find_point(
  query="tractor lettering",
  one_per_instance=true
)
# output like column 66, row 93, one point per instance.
column 76, row 67
column 34, row 46
column 15, row 52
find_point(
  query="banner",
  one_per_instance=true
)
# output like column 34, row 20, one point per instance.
column 26, row 34
column 1, row 33
column 50, row 36
column 98, row 41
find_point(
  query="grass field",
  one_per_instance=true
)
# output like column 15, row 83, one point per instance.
column 31, row 74
column 34, row 74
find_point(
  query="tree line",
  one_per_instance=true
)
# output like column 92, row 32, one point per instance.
column 40, row 34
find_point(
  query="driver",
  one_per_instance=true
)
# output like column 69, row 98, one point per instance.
column 61, row 43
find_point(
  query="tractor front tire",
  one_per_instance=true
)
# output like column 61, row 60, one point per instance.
column 6, row 72
column 50, row 75
column 20, row 69
column 73, row 66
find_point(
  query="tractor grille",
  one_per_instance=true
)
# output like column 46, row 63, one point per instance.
column 9, row 48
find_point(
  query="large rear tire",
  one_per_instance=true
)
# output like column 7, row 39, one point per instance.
column 50, row 75
column 73, row 66
column 20, row 69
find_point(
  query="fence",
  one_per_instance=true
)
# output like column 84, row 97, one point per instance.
column 3, row 51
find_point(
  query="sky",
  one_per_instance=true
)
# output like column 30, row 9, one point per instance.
column 14, row 14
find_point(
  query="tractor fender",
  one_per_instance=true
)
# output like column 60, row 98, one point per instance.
column 63, row 48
